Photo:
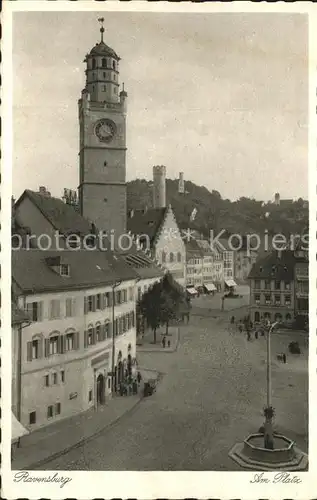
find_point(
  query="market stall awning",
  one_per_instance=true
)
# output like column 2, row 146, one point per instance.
column 210, row 287
column 191, row 290
column 230, row 283
column 17, row 429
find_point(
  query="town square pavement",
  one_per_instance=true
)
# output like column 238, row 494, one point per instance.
column 211, row 396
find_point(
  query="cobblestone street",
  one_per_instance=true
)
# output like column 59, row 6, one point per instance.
column 211, row 396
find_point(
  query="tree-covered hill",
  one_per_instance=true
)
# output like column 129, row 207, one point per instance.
column 243, row 216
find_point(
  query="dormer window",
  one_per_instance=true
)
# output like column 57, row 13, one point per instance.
column 64, row 270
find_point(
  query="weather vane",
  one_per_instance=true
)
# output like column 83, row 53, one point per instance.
column 102, row 29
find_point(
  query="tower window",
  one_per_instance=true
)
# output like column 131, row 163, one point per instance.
column 113, row 64
column 114, row 77
column 104, row 74
column 94, row 63
column 104, row 63
column 115, row 90
column 104, row 87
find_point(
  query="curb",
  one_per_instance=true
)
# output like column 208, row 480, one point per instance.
column 161, row 350
column 58, row 454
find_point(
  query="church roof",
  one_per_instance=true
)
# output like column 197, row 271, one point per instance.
column 101, row 49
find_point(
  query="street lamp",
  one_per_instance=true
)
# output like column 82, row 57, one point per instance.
column 268, row 431
column 115, row 285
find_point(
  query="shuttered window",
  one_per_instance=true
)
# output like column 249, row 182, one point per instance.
column 54, row 310
column 70, row 307
column 35, row 311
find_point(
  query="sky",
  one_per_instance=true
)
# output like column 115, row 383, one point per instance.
column 222, row 97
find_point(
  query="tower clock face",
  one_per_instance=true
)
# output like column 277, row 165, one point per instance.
column 105, row 130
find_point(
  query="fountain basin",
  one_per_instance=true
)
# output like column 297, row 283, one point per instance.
column 284, row 449
column 251, row 454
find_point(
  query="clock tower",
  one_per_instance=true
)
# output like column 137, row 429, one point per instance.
column 102, row 142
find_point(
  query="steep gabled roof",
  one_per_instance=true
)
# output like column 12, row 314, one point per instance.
column 275, row 267
column 147, row 222
column 63, row 217
column 193, row 249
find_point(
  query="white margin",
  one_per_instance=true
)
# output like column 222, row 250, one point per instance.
column 148, row 485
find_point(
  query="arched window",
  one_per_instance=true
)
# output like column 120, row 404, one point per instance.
column 104, row 62
column 179, row 257
column 278, row 317
column 107, row 329
column 256, row 316
column 35, row 347
column 98, row 332
column 104, row 88
column 288, row 317
column 93, row 63
column 53, row 344
column 114, row 64
column 90, row 335
column 171, row 257
column 267, row 315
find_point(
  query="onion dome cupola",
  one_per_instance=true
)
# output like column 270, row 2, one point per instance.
column 102, row 71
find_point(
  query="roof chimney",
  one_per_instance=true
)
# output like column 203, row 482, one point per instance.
column 159, row 186
column 44, row 192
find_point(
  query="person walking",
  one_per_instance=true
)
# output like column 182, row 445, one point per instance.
column 284, row 358
column 139, row 378
column 256, row 335
column 164, row 342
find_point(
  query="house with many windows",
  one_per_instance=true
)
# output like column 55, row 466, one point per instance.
column 272, row 287
column 212, row 266
column 81, row 339
column 194, row 266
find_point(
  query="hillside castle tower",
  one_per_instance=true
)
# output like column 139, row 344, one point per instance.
column 102, row 141
column 159, row 186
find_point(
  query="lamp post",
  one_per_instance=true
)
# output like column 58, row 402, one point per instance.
column 268, row 412
column 115, row 284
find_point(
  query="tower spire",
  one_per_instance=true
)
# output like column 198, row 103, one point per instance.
column 102, row 29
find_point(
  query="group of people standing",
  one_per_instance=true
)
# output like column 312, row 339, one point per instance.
column 130, row 385
column 246, row 325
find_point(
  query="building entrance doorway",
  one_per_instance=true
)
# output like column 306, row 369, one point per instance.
column 101, row 386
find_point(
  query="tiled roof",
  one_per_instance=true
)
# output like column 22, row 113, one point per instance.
column 274, row 267
column 67, row 220
column 87, row 269
column 103, row 50
column 143, row 265
column 148, row 222
column 205, row 247
column 193, row 249
column 63, row 217
column 17, row 315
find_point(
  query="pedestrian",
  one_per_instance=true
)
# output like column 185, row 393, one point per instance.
column 139, row 377
column 248, row 335
column 284, row 358
column 232, row 320
column 240, row 328
column 164, row 342
column 251, row 325
column 256, row 334
column 169, row 343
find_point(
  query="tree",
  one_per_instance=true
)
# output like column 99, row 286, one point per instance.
column 150, row 307
column 174, row 301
